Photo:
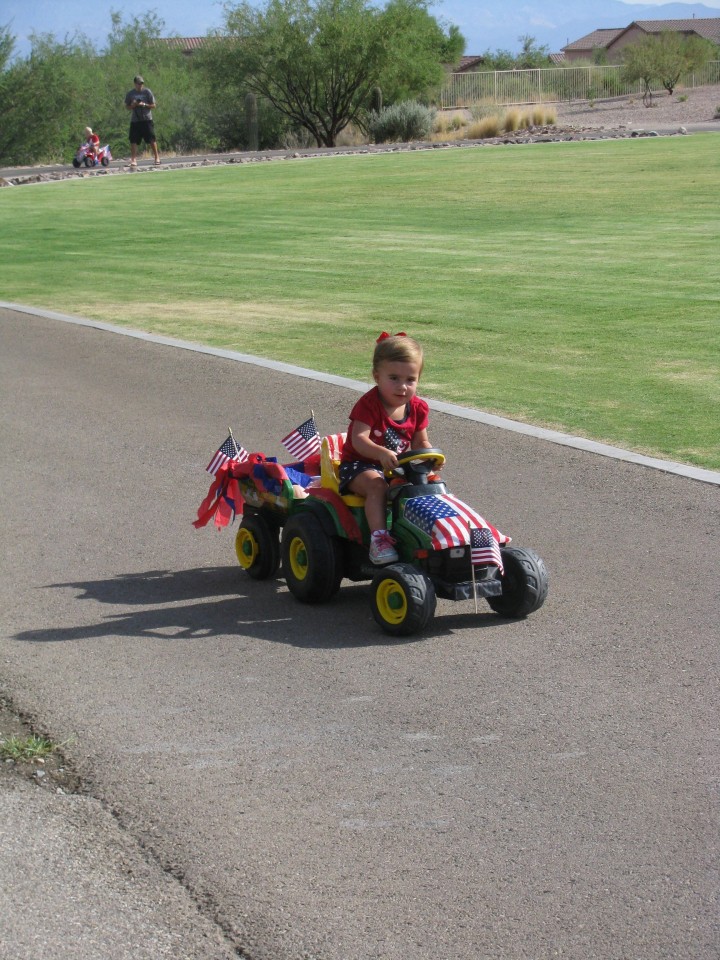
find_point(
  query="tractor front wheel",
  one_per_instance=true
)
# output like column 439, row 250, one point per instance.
column 524, row 583
column 403, row 600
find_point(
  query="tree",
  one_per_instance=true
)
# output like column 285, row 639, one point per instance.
column 678, row 55
column 664, row 58
column 317, row 61
column 7, row 42
column 531, row 55
column 418, row 51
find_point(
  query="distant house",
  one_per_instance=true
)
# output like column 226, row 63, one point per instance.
column 186, row 45
column 585, row 47
column 707, row 27
column 613, row 40
column 470, row 65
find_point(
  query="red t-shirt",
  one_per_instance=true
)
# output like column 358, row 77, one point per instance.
column 395, row 435
column 94, row 140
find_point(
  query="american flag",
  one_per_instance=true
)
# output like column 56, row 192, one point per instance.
column 447, row 520
column 304, row 440
column 229, row 450
column 484, row 547
column 336, row 442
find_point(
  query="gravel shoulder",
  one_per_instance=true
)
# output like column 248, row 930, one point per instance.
column 606, row 119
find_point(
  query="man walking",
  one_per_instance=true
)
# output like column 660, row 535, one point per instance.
column 141, row 102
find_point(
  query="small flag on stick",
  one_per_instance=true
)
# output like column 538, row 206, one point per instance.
column 229, row 450
column 484, row 547
column 304, row 440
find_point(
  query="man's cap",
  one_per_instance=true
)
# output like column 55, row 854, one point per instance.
column 138, row 80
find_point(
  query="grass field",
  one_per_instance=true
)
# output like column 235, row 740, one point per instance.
column 573, row 285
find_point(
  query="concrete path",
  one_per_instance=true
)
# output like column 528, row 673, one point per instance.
column 283, row 777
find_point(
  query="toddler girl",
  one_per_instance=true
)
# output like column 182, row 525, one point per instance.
column 385, row 422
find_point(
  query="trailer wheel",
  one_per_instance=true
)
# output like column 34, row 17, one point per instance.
column 257, row 548
column 312, row 560
column 403, row 600
column 524, row 583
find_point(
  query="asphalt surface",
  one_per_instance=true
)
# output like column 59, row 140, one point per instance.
column 283, row 780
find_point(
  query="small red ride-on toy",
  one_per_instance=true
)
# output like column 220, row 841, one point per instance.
column 86, row 155
column 446, row 549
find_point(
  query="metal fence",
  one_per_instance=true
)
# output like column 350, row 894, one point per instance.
column 553, row 84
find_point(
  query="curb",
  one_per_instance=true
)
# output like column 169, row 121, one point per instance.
column 465, row 413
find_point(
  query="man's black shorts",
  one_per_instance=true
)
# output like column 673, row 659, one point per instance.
column 142, row 130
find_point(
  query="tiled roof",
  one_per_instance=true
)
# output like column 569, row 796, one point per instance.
column 469, row 63
column 557, row 58
column 186, row 44
column 595, row 40
column 708, row 27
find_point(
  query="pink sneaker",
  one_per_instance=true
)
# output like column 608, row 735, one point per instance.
column 382, row 548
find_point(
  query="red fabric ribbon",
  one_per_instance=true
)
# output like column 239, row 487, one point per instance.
column 344, row 513
column 384, row 335
column 223, row 500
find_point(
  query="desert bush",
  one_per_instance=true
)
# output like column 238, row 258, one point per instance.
column 511, row 120
column 485, row 128
column 483, row 108
column 351, row 136
column 401, row 122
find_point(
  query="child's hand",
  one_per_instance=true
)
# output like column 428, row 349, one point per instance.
column 387, row 459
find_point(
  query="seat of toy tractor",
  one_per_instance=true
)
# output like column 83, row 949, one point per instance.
column 330, row 451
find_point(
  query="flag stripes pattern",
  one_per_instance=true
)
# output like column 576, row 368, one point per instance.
column 303, row 441
column 450, row 523
column 336, row 442
column 484, row 547
column 229, row 450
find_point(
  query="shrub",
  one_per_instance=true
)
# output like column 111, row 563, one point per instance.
column 485, row 128
column 511, row 120
column 401, row 122
column 483, row 108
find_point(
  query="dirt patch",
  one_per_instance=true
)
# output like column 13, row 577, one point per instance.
column 51, row 772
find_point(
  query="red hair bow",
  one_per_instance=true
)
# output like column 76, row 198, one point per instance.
column 384, row 336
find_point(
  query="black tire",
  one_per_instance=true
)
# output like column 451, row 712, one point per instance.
column 89, row 162
column 403, row 599
column 524, row 583
column 76, row 162
column 312, row 560
column 105, row 162
column 257, row 548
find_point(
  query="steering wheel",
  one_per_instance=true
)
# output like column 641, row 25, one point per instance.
column 415, row 465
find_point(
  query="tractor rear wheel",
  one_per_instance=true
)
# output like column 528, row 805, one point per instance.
column 312, row 560
column 257, row 548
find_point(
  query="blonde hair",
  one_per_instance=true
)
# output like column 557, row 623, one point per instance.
column 398, row 349
column 88, row 129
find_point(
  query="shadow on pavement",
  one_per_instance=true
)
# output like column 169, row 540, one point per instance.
column 267, row 612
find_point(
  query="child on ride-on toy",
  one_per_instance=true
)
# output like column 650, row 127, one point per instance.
column 92, row 142
column 386, row 421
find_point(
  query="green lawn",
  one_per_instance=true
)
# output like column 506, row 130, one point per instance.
column 573, row 285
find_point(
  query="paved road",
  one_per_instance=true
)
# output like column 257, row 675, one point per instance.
column 490, row 790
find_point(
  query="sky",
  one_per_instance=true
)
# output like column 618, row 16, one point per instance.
column 486, row 24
